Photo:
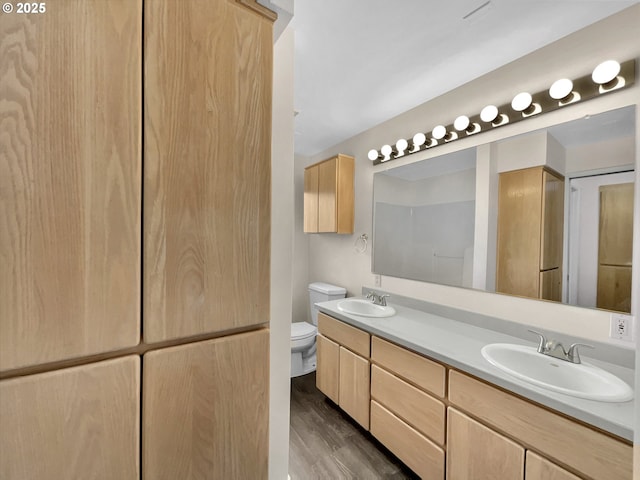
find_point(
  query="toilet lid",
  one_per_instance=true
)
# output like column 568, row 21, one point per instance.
column 301, row 330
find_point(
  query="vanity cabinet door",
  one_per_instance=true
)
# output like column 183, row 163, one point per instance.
column 328, row 367
column 475, row 452
column 354, row 382
column 539, row 468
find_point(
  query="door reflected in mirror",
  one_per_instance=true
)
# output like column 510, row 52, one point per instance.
column 547, row 214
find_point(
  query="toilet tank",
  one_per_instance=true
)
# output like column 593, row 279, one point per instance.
column 323, row 292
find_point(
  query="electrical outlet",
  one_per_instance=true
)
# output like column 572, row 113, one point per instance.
column 621, row 327
column 377, row 281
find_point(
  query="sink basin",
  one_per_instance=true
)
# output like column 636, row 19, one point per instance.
column 365, row 308
column 578, row 380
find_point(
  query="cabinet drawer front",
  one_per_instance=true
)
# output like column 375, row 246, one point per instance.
column 475, row 451
column 561, row 439
column 354, row 386
column 418, row 452
column 425, row 373
column 539, row 468
column 421, row 411
column 346, row 335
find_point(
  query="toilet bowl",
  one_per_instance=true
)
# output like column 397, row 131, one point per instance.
column 303, row 334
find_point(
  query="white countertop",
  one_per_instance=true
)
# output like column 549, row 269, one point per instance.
column 458, row 344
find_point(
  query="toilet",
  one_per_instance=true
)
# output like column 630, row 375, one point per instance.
column 303, row 334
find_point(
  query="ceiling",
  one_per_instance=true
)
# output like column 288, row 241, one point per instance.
column 359, row 63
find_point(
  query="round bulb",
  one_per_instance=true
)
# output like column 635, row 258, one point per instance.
column 402, row 145
column 489, row 113
column 373, row 155
column 461, row 123
column 605, row 72
column 521, row 102
column 386, row 150
column 419, row 139
column 439, row 132
column 561, row 88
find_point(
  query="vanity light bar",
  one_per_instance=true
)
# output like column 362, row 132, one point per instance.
column 607, row 77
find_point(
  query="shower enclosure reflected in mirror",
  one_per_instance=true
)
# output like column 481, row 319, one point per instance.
column 547, row 214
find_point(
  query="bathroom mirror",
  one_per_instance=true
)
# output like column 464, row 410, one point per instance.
column 436, row 220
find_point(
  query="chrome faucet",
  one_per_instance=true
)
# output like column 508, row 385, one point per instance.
column 555, row 349
column 378, row 299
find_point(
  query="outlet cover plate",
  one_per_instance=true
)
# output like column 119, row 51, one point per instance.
column 622, row 327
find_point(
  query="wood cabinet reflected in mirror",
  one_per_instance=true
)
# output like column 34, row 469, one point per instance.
column 454, row 219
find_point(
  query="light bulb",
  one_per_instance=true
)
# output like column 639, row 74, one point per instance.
column 386, row 151
column 489, row 113
column 521, row 102
column 461, row 123
column 561, row 89
column 402, row 145
column 373, row 155
column 606, row 72
column 439, row 132
column 418, row 140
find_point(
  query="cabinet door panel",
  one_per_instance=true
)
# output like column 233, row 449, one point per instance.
column 70, row 181
column 552, row 221
column 311, row 200
column 614, row 288
column 476, row 452
column 616, row 225
column 77, row 423
column 328, row 367
column 539, row 468
column 206, row 409
column 208, row 76
column 327, row 190
column 551, row 285
column 354, row 386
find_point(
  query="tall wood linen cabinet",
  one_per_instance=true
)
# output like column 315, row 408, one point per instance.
column 135, row 240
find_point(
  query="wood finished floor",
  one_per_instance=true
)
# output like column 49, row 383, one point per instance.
column 325, row 443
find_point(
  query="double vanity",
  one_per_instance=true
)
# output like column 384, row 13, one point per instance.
column 454, row 400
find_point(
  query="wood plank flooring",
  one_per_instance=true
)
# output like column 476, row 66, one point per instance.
column 326, row 444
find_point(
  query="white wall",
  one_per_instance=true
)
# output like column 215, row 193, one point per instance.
column 332, row 258
column 282, row 220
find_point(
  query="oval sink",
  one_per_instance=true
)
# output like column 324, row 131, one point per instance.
column 578, row 380
column 365, row 308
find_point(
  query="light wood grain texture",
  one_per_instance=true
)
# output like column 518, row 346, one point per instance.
column 614, row 288
column 206, row 409
column 413, row 406
column 328, row 368
column 418, row 452
column 420, row 371
column 354, row 386
column 551, row 285
column 346, row 335
column 327, row 196
column 345, row 194
column 615, row 246
column 594, row 454
column 207, row 137
column 74, row 424
column 311, row 199
column 475, row 452
column 539, row 468
column 70, row 173
column 552, row 220
column 519, row 229
column 258, row 8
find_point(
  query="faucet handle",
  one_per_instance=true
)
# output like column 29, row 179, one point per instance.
column 383, row 299
column 543, row 341
column 572, row 353
column 370, row 295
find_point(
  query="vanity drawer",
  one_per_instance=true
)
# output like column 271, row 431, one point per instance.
column 418, row 370
column 421, row 411
column 591, row 452
column 417, row 451
column 346, row 335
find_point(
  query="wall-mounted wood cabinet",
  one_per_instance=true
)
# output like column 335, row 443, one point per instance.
column 329, row 196
column 74, row 85
column 530, row 232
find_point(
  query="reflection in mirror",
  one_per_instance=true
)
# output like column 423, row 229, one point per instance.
column 548, row 215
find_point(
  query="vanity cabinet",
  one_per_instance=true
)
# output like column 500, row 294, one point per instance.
column 539, row 468
column 343, row 369
column 329, row 196
column 530, row 232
